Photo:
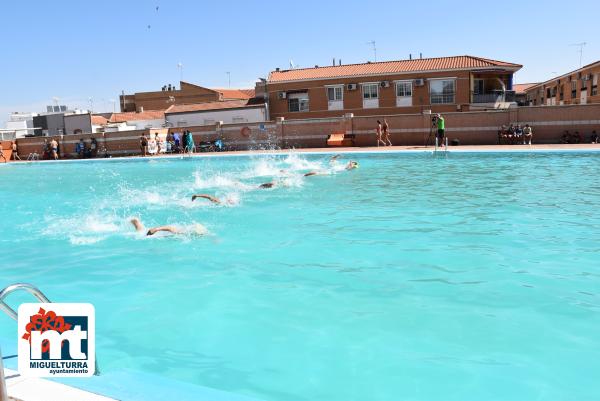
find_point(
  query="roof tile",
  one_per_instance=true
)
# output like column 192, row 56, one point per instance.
column 388, row 67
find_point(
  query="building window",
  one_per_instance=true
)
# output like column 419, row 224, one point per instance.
column 209, row 121
column 370, row 91
column 237, row 120
column 298, row 102
column 584, row 84
column 442, row 91
column 478, row 87
column 335, row 97
column 403, row 93
column 370, row 95
column 574, row 89
column 335, row 93
column 595, row 85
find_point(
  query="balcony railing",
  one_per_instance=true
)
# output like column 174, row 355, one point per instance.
column 494, row 97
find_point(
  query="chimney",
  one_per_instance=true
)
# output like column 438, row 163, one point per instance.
column 316, row 66
column 340, row 61
column 421, row 55
column 277, row 69
column 410, row 56
column 334, row 61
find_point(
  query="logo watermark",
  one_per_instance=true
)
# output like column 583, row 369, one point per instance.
column 56, row 340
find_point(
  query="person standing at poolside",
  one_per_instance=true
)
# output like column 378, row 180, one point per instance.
column 386, row 133
column 527, row 134
column 144, row 144
column 54, row 148
column 2, row 153
column 441, row 129
column 15, row 151
column 378, row 132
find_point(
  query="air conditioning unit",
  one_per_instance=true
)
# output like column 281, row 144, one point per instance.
column 282, row 95
column 385, row 84
column 352, row 87
column 419, row 82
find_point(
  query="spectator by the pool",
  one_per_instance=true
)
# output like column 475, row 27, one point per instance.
column 518, row 132
column 80, row 148
column 594, row 137
column 93, row 147
column 2, row 154
column 177, row 142
column 527, row 134
column 144, row 145
column 54, row 148
column 566, row 137
column 15, row 151
column 576, row 137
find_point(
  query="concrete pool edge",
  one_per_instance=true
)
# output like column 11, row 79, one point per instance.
column 550, row 148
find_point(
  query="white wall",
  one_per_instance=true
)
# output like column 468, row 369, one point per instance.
column 209, row 117
column 143, row 124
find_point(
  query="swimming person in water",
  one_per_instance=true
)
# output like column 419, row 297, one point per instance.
column 205, row 196
column 198, row 229
column 267, row 185
column 351, row 165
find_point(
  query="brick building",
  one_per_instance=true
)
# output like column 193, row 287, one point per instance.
column 442, row 84
column 576, row 87
column 186, row 94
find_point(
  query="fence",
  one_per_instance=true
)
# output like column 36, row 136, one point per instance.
column 470, row 128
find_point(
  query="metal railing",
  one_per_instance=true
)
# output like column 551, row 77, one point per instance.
column 494, row 97
column 16, row 287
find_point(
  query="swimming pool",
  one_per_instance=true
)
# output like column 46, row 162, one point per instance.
column 471, row 276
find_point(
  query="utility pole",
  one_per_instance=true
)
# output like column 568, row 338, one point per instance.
column 372, row 43
column 180, row 66
column 581, row 46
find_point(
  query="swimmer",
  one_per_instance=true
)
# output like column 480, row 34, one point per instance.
column 209, row 197
column 334, row 158
column 267, row 185
column 310, row 173
column 139, row 227
column 352, row 165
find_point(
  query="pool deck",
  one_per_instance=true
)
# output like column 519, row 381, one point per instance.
column 583, row 147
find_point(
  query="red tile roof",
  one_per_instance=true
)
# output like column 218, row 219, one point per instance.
column 134, row 116
column 187, row 108
column 99, row 120
column 390, row 67
column 236, row 93
column 521, row 88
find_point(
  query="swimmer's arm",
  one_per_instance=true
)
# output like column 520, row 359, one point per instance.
column 170, row 229
column 204, row 196
column 137, row 224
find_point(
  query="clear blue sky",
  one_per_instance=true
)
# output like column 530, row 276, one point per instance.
column 75, row 50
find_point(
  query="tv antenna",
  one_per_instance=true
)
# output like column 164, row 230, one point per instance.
column 372, row 43
column 180, row 66
column 581, row 46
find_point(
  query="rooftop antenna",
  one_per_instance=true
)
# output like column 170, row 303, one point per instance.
column 581, row 46
column 228, row 79
column 372, row 43
column 180, row 66
column 292, row 65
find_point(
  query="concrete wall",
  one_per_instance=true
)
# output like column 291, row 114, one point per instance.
column 78, row 123
column 470, row 128
column 196, row 118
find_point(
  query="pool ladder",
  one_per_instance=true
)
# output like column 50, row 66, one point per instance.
column 39, row 295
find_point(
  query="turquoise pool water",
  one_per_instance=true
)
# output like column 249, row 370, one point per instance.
column 466, row 277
